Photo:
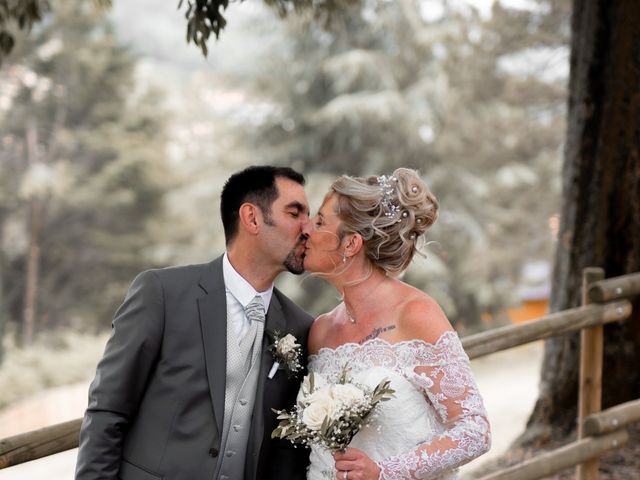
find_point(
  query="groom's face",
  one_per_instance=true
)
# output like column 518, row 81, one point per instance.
column 282, row 235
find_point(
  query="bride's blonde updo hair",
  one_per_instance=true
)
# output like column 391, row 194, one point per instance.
column 390, row 212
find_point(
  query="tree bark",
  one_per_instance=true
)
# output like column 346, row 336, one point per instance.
column 3, row 303
column 33, row 261
column 600, row 216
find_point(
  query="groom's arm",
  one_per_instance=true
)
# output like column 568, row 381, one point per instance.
column 121, row 378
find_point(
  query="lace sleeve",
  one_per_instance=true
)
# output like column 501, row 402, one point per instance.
column 444, row 375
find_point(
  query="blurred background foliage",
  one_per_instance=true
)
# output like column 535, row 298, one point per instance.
column 82, row 170
column 458, row 96
column 115, row 142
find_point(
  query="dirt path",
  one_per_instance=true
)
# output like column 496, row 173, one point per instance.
column 508, row 382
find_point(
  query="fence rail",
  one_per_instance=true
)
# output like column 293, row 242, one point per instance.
column 612, row 419
column 614, row 288
column 606, row 431
column 605, row 302
column 572, row 320
column 39, row 443
column 562, row 458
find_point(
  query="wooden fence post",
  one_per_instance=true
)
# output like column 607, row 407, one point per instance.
column 590, row 393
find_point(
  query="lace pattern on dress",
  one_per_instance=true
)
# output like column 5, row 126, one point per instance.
column 442, row 373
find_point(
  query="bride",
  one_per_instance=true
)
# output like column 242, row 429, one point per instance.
column 362, row 238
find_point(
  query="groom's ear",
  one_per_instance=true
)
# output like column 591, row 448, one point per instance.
column 249, row 218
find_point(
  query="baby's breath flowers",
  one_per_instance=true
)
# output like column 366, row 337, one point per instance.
column 330, row 414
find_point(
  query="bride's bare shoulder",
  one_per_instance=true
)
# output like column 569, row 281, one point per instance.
column 321, row 328
column 422, row 318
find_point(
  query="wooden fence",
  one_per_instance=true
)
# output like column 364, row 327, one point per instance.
column 604, row 301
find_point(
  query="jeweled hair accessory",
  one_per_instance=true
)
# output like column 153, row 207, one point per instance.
column 387, row 184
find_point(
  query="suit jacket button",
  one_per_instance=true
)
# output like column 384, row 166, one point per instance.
column 213, row 452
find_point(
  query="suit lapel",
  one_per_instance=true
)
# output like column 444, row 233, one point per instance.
column 212, row 308
column 274, row 322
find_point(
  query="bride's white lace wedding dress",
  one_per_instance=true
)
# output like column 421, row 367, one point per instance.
column 435, row 423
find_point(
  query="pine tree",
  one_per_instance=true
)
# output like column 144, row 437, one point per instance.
column 390, row 85
column 82, row 165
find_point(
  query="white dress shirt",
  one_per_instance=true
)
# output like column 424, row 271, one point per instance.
column 239, row 293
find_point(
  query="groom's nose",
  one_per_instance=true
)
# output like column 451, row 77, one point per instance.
column 306, row 227
column 305, row 224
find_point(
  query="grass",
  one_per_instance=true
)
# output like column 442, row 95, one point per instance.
column 54, row 360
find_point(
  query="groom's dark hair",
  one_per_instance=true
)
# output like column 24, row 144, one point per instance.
column 255, row 185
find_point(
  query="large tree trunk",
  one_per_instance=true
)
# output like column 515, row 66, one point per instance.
column 600, row 217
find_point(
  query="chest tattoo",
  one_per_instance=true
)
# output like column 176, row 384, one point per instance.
column 376, row 333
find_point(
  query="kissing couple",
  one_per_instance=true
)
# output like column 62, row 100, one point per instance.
column 189, row 380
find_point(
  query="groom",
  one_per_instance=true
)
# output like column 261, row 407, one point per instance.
column 185, row 388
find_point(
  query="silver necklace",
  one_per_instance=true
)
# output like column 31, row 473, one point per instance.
column 351, row 318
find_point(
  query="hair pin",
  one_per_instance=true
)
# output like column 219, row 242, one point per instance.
column 388, row 190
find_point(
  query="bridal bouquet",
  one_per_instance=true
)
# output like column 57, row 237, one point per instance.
column 330, row 414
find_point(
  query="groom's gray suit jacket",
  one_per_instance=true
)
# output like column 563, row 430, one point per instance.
column 156, row 405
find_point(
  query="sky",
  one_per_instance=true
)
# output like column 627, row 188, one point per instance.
column 156, row 31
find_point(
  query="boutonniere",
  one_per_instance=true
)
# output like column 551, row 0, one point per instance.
column 286, row 352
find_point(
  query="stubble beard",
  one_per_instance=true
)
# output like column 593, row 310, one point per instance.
column 295, row 263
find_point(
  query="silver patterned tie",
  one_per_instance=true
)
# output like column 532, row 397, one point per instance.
column 255, row 313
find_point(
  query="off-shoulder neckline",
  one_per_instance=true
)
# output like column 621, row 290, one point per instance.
column 385, row 343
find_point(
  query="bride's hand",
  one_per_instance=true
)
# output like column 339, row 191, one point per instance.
column 356, row 464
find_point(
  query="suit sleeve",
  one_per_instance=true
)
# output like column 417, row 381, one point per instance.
column 121, row 378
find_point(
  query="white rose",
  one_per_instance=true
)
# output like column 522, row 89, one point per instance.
column 320, row 406
column 320, row 394
column 305, row 386
column 287, row 344
column 347, row 395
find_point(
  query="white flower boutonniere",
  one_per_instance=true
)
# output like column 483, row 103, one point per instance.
column 286, row 352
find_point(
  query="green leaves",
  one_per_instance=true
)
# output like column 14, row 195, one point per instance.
column 312, row 385
column 344, row 374
column 383, row 391
column 203, row 18
column 6, row 43
column 25, row 13
column 283, row 428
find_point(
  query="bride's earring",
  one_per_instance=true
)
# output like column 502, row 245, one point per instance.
column 344, row 257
